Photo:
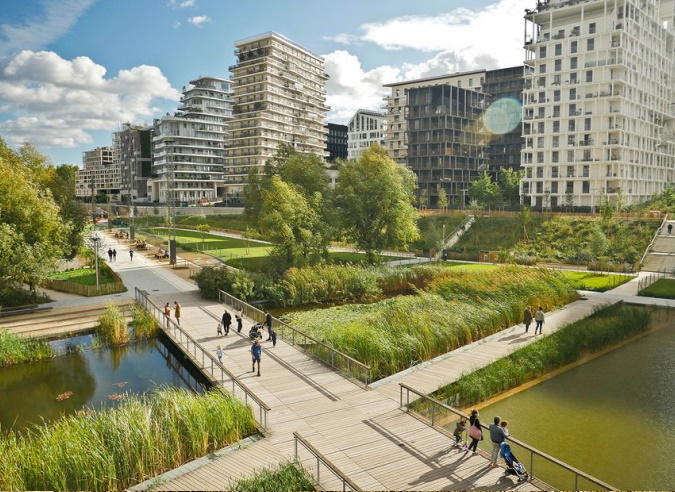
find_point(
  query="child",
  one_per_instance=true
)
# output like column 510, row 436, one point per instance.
column 256, row 351
column 460, row 428
column 240, row 318
column 219, row 329
column 219, row 353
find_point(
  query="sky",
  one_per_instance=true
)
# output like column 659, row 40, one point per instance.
column 73, row 71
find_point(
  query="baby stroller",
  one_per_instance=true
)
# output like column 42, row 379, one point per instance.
column 256, row 332
column 513, row 466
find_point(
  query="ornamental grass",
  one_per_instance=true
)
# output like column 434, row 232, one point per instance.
column 16, row 350
column 116, row 448
column 459, row 308
column 287, row 476
column 112, row 328
column 603, row 328
column 143, row 325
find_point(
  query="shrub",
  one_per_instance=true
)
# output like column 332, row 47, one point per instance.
column 16, row 350
column 239, row 283
column 15, row 295
column 144, row 324
column 112, row 328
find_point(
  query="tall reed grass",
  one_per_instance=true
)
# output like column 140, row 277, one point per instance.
column 112, row 327
column 16, row 350
column 143, row 325
column 287, row 476
column 462, row 307
column 117, row 448
column 602, row 329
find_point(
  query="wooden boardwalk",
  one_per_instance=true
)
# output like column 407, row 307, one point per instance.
column 362, row 431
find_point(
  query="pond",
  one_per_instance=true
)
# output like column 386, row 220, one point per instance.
column 612, row 417
column 89, row 378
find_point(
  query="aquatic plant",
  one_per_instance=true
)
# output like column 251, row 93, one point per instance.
column 116, row 448
column 112, row 327
column 16, row 350
column 287, row 476
column 144, row 324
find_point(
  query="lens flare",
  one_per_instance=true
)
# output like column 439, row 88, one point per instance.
column 503, row 115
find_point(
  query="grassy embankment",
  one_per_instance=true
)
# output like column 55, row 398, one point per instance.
column 663, row 288
column 116, row 448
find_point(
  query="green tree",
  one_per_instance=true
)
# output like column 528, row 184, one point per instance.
column 525, row 220
column 509, row 184
column 598, row 243
column 442, row 199
column 484, row 190
column 374, row 197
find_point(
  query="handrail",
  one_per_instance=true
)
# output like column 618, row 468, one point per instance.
column 320, row 458
column 577, row 473
column 461, row 226
column 331, row 356
column 183, row 339
column 658, row 232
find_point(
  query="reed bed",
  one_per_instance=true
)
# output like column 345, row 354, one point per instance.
column 17, row 350
column 460, row 308
column 116, row 448
column 603, row 328
column 143, row 325
column 288, row 476
column 112, row 328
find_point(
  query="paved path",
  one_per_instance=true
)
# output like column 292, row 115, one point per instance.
column 662, row 255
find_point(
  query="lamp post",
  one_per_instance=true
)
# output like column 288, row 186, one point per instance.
column 132, row 229
column 95, row 240
column 170, row 199
column 464, row 198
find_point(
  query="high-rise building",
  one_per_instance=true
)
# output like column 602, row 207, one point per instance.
column 336, row 142
column 280, row 98
column 189, row 147
column 133, row 150
column 100, row 174
column 365, row 129
column 598, row 110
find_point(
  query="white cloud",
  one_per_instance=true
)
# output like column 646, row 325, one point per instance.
column 57, row 19
column 55, row 102
column 181, row 5
column 459, row 40
column 198, row 20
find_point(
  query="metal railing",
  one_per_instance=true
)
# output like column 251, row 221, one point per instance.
column 347, row 484
column 204, row 360
column 322, row 351
column 656, row 235
column 645, row 282
column 438, row 414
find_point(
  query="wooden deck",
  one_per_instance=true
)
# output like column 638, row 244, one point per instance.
column 362, row 431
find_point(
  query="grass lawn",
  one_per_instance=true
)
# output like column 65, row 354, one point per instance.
column 259, row 263
column 663, row 288
column 232, row 222
column 596, row 281
column 84, row 276
column 470, row 267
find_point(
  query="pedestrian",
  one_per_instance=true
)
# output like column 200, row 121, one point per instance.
column 271, row 336
column 539, row 318
column 475, row 431
column 109, row 254
column 131, row 254
column 219, row 353
column 227, row 322
column 498, row 435
column 219, row 329
column 256, row 352
column 670, row 228
column 460, row 429
column 114, row 255
column 176, row 311
column 167, row 310
column 240, row 320
column 527, row 318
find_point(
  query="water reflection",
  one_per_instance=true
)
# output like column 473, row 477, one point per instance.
column 29, row 392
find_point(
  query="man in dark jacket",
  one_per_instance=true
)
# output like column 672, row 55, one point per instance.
column 227, row 321
column 498, row 435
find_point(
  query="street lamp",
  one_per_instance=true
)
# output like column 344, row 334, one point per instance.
column 95, row 240
column 170, row 200
column 464, row 198
column 132, row 229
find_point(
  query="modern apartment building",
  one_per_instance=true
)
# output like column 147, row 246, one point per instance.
column 133, row 151
column 189, row 147
column 280, row 98
column 100, row 174
column 447, row 139
column 365, row 129
column 336, row 142
column 598, row 110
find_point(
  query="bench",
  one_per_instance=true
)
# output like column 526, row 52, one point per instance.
column 161, row 254
column 141, row 245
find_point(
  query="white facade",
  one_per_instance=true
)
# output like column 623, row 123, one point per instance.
column 280, row 98
column 365, row 129
column 100, row 174
column 598, row 114
column 189, row 147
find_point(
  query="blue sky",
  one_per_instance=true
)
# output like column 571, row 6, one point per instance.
column 71, row 71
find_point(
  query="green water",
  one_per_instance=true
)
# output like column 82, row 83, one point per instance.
column 613, row 417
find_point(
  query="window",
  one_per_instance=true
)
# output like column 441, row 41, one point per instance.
column 542, row 97
column 573, row 94
column 556, row 79
column 557, row 65
column 540, row 142
column 590, row 44
column 591, row 28
column 470, row 82
column 570, row 156
column 569, row 186
column 573, row 78
column 542, row 68
column 556, row 111
column 541, row 112
column 459, row 83
column 587, row 124
column 586, row 171
column 573, row 47
column 573, row 63
column 556, row 141
column 542, row 52
column 570, row 171
column 558, row 49
column 573, row 109
column 556, row 96
column 571, row 126
column 555, row 156
column 570, row 140
column 540, row 170
column 540, row 160
column 556, row 126
column 540, row 127
column 554, row 171
column 589, row 75
column 586, row 187
column 540, row 187
column 554, row 187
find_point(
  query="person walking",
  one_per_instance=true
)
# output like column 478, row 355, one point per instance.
column 167, row 310
column 460, row 429
column 131, row 255
column 109, row 254
column 256, row 353
column 219, row 353
column 240, row 320
column 227, row 322
column 498, row 435
column 475, row 431
column 527, row 318
column 176, row 311
column 271, row 336
column 670, row 228
column 539, row 318
column 219, row 329
column 114, row 255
